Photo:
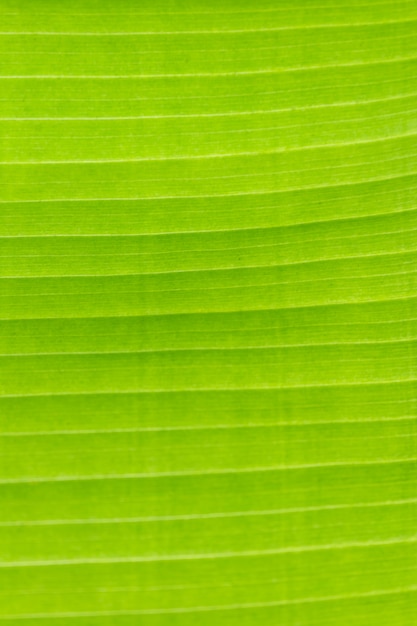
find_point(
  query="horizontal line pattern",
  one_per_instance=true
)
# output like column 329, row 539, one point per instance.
column 208, row 317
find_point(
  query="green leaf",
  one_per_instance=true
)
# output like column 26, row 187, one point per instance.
column 208, row 312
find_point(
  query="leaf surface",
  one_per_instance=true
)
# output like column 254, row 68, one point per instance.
column 208, row 287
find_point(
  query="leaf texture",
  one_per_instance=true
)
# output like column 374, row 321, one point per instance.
column 208, row 288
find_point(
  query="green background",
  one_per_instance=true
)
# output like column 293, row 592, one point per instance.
column 208, row 312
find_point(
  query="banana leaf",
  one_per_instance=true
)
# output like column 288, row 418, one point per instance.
column 208, row 321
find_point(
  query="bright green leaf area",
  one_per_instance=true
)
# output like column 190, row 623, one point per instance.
column 208, row 312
